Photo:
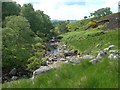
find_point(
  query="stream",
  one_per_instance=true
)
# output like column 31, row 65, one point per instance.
column 56, row 53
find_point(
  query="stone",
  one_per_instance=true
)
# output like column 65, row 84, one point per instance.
column 14, row 77
column 75, row 60
column 88, row 57
column 94, row 61
column 13, row 71
column 62, row 59
column 68, row 57
column 106, row 49
column 40, row 70
column 113, row 56
column 101, row 54
column 111, row 46
column 98, row 45
column 112, row 51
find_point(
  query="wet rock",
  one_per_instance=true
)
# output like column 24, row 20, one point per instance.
column 14, row 77
column 101, row 54
column 94, row 61
column 88, row 57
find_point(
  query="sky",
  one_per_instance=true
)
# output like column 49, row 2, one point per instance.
column 70, row 9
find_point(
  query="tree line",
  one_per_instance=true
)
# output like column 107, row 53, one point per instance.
column 24, row 31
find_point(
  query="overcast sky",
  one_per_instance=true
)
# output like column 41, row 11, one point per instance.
column 70, row 9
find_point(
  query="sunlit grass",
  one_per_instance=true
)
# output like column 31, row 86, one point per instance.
column 84, row 74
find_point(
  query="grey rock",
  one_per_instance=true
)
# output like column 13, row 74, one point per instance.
column 106, row 49
column 13, row 71
column 14, row 77
column 113, row 56
column 88, row 57
column 113, row 51
column 62, row 59
column 94, row 61
column 111, row 46
column 40, row 70
column 75, row 60
column 101, row 54
column 98, row 45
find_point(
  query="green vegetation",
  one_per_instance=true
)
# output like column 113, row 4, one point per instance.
column 101, row 12
column 84, row 74
column 86, row 40
column 25, row 32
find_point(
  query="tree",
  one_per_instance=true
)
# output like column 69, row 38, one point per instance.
column 85, row 17
column 101, row 12
column 17, row 42
column 10, row 8
column 40, row 23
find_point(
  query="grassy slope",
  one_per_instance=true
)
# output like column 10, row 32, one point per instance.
column 84, row 74
column 87, row 40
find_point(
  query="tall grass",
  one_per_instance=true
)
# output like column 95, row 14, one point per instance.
column 84, row 74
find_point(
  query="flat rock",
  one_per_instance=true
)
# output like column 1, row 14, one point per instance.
column 88, row 57
column 74, row 60
column 111, row 46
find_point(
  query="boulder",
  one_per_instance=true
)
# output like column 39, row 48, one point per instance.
column 112, row 51
column 14, row 77
column 13, row 71
column 106, row 49
column 88, row 57
column 101, row 54
column 74, row 60
column 113, row 56
column 111, row 46
column 40, row 70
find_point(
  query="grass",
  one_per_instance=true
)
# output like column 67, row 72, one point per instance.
column 87, row 40
column 84, row 74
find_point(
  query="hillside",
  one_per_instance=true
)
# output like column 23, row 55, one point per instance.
column 83, row 74
column 114, row 21
column 38, row 52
